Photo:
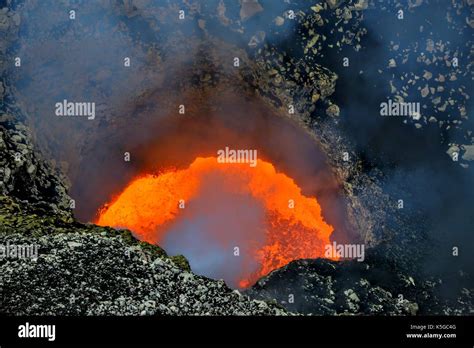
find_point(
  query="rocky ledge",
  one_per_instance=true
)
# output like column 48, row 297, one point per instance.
column 372, row 287
column 78, row 269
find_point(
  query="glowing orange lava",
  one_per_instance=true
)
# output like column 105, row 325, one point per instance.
column 294, row 227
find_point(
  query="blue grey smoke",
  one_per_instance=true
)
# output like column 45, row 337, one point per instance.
column 212, row 225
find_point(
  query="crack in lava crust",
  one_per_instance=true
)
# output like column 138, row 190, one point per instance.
column 226, row 206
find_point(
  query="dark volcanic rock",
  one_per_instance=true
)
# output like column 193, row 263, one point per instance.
column 325, row 287
column 94, row 270
column 328, row 288
column 23, row 172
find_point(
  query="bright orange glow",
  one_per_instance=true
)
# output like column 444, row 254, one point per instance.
column 294, row 227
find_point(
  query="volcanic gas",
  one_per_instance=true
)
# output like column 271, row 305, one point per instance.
column 231, row 220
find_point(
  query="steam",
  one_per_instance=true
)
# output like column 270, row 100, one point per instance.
column 140, row 117
column 218, row 232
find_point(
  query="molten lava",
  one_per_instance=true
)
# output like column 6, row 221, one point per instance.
column 292, row 226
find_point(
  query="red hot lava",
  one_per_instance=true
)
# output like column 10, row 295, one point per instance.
column 232, row 221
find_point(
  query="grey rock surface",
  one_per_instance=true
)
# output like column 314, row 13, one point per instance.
column 83, row 273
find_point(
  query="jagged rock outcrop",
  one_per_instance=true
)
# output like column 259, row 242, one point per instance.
column 373, row 287
column 77, row 269
column 23, row 172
